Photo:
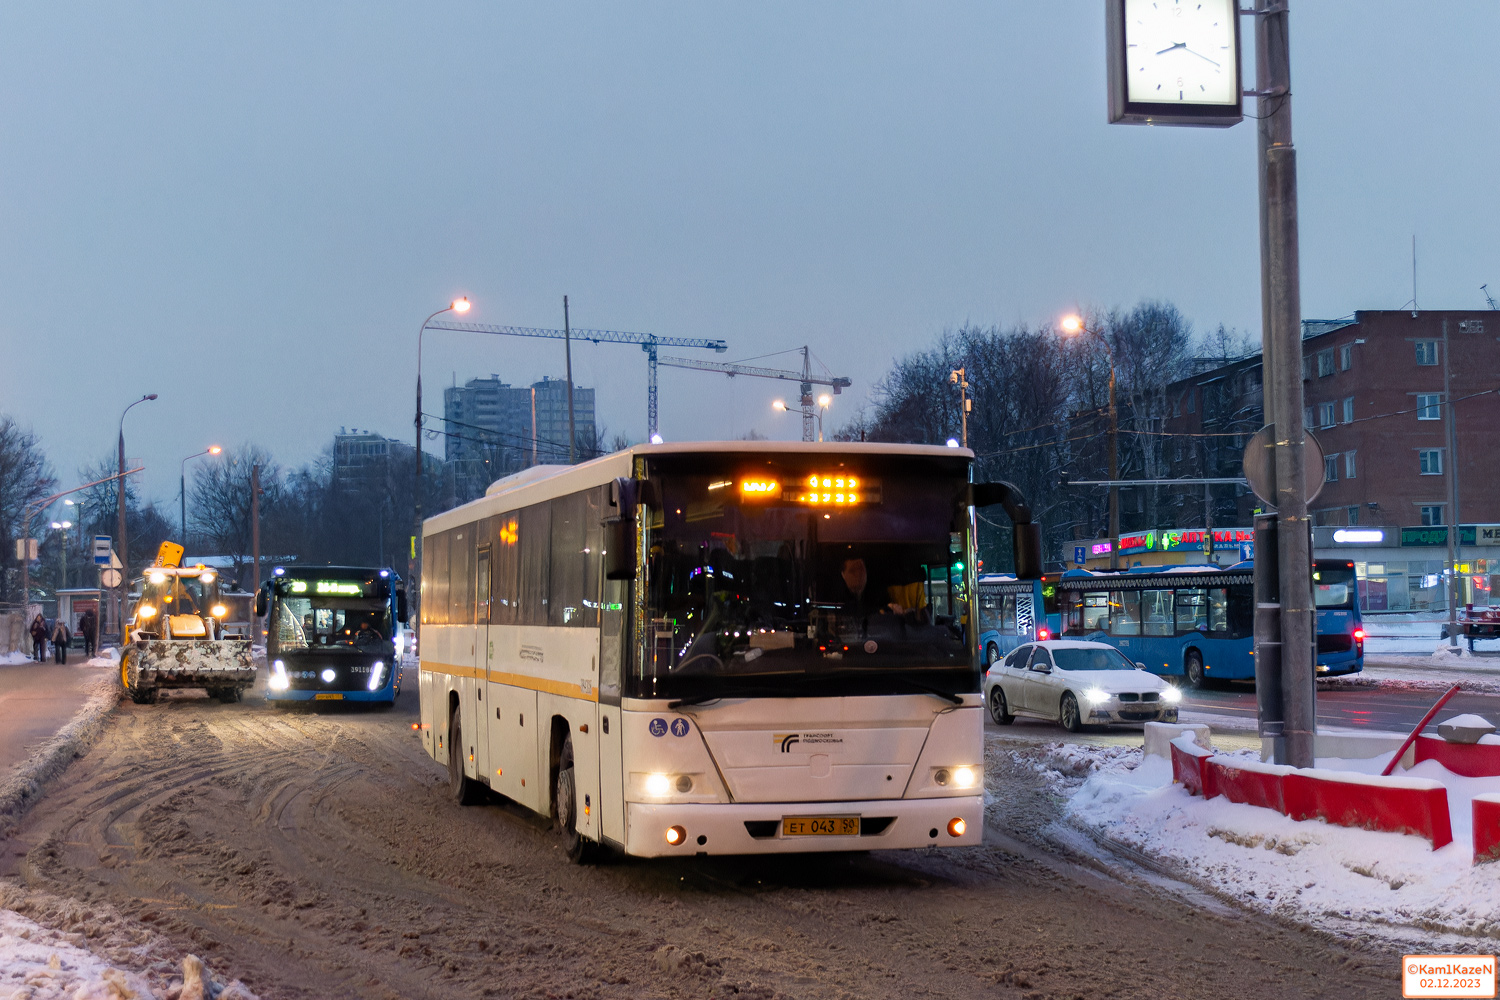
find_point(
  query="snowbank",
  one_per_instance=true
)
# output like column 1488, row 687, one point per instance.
column 42, row 964
column 15, row 659
column 1305, row 870
column 107, row 658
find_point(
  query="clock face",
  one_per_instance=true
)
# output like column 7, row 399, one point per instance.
column 1181, row 52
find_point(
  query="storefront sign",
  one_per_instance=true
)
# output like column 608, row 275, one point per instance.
column 1361, row 536
column 1439, row 536
column 1144, row 541
column 1487, row 534
column 1099, row 549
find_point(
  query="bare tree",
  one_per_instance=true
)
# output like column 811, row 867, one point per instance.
column 25, row 478
column 220, row 501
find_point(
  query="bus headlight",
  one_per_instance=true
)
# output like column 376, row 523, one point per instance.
column 963, row 777
column 278, row 681
column 328, row 675
column 1095, row 696
column 377, row 675
column 658, row 784
column 1171, row 695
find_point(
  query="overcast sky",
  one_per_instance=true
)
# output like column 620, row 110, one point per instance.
column 249, row 208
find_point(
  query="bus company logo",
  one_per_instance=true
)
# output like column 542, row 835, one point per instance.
column 533, row 654
column 788, row 740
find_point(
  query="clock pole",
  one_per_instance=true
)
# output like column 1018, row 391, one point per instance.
column 1281, row 338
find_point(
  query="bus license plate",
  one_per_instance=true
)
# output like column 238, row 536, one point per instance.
column 326, row 696
column 820, row 826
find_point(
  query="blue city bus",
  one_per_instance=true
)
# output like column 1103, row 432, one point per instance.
column 1196, row 622
column 333, row 633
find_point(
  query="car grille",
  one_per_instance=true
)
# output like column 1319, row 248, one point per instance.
column 1139, row 696
column 1137, row 716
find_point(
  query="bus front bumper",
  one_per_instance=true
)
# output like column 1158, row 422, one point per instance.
column 758, row 828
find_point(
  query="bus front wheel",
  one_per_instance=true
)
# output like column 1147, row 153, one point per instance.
column 465, row 790
column 1193, row 668
column 565, row 808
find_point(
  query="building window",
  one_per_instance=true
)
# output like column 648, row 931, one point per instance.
column 1192, row 401
column 1431, row 461
column 1432, row 515
column 1177, row 407
column 1325, row 415
column 1307, row 364
column 1346, row 361
column 1349, row 410
column 1325, row 363
column 1353, row 515
column 1307, row 417
column 1349, row 466
column 1330, row 468
column 1427, row 352
column 1429, row 406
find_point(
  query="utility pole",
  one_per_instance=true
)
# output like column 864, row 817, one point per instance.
column 1281, row 323
column 960, row 378
column 255, row 534
column 568, row 353
column 1452, row 467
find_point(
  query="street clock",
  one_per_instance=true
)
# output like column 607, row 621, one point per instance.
column 1174, row 62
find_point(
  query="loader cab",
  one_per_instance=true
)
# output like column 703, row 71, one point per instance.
column 179, row 603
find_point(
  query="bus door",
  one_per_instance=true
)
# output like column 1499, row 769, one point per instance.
column 484, row 653
column 611, row 668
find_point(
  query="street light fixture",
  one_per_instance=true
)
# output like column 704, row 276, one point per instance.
column 459, row 305
column 824, row 402
column 212, row 449
column 1073, row 325
column 122, row 541
column 62, row 556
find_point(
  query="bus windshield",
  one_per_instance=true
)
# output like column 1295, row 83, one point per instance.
column 766, row 582
column 1333, row 586
column 333, row 623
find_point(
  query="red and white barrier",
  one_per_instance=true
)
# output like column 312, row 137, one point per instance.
column 1250, row 782
column 1472, row 760
column 1187, row 767
column 1486, row 828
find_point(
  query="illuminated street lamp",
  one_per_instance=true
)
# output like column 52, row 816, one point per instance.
column 1073, row 326
column 212, row 449
column 122, row 543
column 459, row 305
column 824, row 402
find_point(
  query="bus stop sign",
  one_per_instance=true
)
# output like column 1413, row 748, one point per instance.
column 101, row 550
column 1260, row 465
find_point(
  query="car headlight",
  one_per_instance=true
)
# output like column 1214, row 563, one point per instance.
column 1171, row 694
column 1094, row 696
column 377, row 675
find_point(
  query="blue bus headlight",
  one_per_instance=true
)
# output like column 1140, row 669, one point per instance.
column 278, row 681
column 377, row 675
column 1171, row 695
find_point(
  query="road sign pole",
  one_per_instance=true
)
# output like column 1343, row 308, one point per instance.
column 1282, row 345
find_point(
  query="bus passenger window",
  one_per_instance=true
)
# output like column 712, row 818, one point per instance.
column 1072, row 620
column 1095, row 612
column 1124, row 612
column 1191, row 611
column 1218, row 610
column 1156, row 612
column 1008, row 615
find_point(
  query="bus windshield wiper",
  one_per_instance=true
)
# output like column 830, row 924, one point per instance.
column 935, row 692
column 740, row 692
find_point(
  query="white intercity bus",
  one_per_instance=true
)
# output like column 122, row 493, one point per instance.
column 717, row 648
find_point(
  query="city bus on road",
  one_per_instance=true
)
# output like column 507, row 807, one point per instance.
column 333, row 633
column 716, row 648
column 1194, row 622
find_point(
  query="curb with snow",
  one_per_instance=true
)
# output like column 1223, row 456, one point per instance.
column 22, row 789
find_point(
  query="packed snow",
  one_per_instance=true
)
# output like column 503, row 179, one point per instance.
column 1307, row 870
column 42, row 964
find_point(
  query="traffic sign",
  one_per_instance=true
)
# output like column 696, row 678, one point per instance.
column 109, row 577
column 1260, row 465
column 1078, row 556
column 102, row 549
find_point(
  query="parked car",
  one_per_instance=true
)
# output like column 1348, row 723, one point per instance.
column 1077, row 683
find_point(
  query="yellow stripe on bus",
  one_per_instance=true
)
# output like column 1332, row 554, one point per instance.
column 562, row 688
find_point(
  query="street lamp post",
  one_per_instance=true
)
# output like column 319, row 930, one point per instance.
column 960, row 378
column 122, row 541
column 824, row 402
column 212, row 449
column 1073, row 325
column 62, row 555
column 83, row 524
column 458, row 305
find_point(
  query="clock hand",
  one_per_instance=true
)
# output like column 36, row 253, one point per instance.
column 1170, row 48
column 1199, row 55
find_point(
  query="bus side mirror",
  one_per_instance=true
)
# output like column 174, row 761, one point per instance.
column 402, row 615
column 260, row 603
column 1026, row 536
column 621, row 544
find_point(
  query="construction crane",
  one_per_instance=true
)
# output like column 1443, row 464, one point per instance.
column 805, row 377
column 649, row 343
column 1488, row 297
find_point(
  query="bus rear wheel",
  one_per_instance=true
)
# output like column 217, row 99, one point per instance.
column 465, row 790
column 565, row 809
column 1193, row 668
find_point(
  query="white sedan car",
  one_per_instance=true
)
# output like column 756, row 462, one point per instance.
column 1077, row 683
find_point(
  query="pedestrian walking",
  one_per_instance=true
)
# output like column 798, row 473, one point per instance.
column 38, row 638
column 60, row 639
column 88, row 627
